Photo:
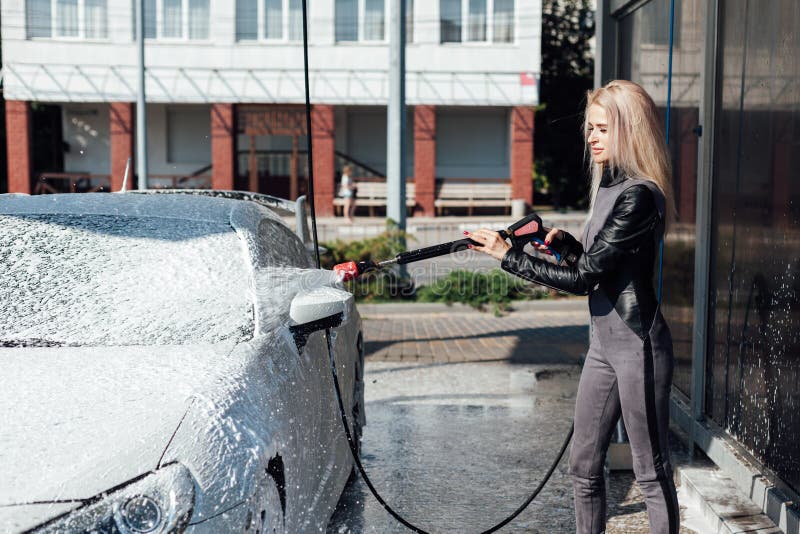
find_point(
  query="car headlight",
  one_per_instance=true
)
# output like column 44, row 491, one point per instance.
column 159, row 502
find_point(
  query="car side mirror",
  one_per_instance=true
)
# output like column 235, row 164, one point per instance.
column 317, row 309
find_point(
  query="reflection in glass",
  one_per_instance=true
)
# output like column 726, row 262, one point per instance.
column 273, row 19
column 409, row 21
column 246, row 20
column 149, row 18
column 450, row 14
column 172, row 13
column 295, row 20
column 198, row 19
column 645, row 60
column 67, row 18
column 347, row 20
column 476, row 25
column 374, row 20
column 38, row 18
column 753, row 365
column 503, row 21
column 95, row 19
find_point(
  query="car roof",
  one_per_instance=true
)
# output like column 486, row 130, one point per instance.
column 189, row 207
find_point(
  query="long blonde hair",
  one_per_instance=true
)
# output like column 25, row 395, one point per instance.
column 638, row 147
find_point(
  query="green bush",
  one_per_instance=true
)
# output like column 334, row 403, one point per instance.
column 479, row 289
column 381, row 247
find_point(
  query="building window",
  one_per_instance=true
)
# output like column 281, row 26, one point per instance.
column 503, row 24
column 374, row 20
column 272, row 20
column 365, row 20
column 176, row 19
column 409, row 21
column 347, row 20
column 476, row 21
column 86, row 19
column 95, row 19
column 655, row 30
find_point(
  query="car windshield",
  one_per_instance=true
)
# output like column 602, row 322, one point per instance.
column 112, row 280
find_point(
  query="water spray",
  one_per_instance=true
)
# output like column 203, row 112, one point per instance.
column 526, row 230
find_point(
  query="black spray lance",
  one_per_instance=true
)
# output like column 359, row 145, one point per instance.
column 526, row 230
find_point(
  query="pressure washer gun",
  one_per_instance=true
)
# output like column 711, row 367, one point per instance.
column 522, row 232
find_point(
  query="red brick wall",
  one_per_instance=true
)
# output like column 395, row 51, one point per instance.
column 322, row 131
column 223, row 146
column 522, row 154
column 18, row 142
column 425, row 159
column 122, row 128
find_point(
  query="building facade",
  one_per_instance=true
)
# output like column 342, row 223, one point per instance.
column 224, row 90
column 727, row 78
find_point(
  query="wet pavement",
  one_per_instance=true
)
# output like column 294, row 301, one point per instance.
column 457, row 439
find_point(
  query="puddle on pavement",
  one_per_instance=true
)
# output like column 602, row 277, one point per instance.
column 457, row 447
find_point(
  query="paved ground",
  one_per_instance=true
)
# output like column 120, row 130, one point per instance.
column 547, row 332
column 464, row 413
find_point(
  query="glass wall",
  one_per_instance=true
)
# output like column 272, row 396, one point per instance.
column 644, row 58
column 753, row 366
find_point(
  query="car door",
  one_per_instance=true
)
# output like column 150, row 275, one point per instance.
column 313, row 398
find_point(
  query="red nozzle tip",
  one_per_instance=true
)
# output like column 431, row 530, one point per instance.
column 347, row 271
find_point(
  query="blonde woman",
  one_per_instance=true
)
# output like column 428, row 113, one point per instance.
column 629, row 364
column 347, row 190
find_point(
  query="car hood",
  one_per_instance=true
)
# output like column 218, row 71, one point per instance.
column 77, row 421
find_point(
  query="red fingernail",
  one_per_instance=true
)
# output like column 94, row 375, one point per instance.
column 469, row 246
column 466, row 233
column 546, row 241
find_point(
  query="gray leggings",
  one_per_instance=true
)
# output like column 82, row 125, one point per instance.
column 628, row 375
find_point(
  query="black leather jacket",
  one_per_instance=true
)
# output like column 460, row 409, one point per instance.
column 619, row 263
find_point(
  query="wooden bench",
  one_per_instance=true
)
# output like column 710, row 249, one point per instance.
column 71, row 182
column 372, row 194
column 473, row 195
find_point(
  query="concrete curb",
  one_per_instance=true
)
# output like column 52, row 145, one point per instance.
column 759, row 485
column 421, row 308
column 723, row 506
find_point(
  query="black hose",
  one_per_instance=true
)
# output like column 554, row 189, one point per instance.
column 354, row 452
column 351, row 443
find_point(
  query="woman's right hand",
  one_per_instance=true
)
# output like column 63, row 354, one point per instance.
column 552, row 233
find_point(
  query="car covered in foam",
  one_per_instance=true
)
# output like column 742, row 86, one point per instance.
column 164, row 367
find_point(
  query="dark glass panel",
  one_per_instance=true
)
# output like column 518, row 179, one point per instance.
column 644, row 59
column 450, row 15
column 346, row 20
column 246, row 20
column 753, row 362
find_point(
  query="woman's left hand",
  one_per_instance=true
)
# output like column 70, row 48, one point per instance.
column 490, row 243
